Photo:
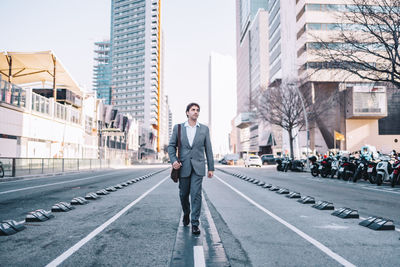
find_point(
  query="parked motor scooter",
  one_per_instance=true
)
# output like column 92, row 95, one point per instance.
column 335, row 166
column 383, row 170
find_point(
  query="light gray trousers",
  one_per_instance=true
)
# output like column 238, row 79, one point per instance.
column 191, row 185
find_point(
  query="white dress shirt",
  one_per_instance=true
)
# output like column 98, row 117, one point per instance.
column 191, row 131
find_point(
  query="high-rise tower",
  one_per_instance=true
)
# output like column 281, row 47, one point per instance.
column 136, row 65
column 102, row 71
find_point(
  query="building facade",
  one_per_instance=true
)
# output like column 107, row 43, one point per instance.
column 136, row 66
column 252, row 75
column 363, row 109
column 102, row 71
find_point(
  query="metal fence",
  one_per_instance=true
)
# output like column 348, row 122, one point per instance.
column 14, row 167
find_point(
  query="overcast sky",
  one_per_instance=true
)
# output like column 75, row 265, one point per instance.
column 70, row 27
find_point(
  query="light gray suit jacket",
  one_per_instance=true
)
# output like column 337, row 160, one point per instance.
column 192, row 156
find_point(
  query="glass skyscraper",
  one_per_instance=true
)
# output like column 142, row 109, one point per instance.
column 136, row 64
column 102, row 71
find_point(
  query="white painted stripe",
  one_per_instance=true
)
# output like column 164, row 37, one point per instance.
column 60, row 259
column 308, row 238
column 53, row 176
column 45, row 185
column 380, row 190
column 198, row 255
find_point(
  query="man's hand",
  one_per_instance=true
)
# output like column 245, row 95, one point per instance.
column 210, row 174
column 176, row 165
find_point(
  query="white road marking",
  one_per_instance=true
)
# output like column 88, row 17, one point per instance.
column 380, row 190
column 308, row 238
column 198, row 255
column 60, row 259
column 45, row 185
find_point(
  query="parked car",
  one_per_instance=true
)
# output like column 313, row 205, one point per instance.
column 268, row 159
column 253, row 161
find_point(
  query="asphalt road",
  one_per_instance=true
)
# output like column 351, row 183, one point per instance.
column 242, row 224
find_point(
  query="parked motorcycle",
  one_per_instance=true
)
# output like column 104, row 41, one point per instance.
column 314, row 166
column 371, row 172
column 296, row 165
column 286, row 162
column 347, row 168
column 279, row 165
column 361, row 170
column 325, row 167
column 396, row 172
column 1, row 170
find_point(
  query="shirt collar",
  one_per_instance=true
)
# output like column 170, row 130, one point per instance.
column 187, row 124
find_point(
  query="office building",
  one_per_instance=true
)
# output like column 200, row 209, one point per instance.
column 362, row 112
column 252, row 71
column 136, row 66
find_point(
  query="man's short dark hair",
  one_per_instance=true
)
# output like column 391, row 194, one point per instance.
column 191, row 105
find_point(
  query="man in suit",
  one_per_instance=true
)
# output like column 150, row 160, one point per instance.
column 195, row 142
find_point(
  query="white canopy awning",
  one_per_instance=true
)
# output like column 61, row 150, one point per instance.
column 31, row 67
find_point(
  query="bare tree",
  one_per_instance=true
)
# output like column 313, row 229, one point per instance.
column 367, row 43
column 282, row 105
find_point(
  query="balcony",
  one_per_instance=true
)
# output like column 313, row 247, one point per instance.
column 366, row 102
column 244, row 119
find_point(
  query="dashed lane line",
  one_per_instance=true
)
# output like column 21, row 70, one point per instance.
column 60, row 259
column 198, row 255
column 308, row 238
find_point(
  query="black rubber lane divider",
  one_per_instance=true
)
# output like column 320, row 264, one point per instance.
column 255, row 181
column 346, row 213
column 92, row 196
column 274, row 188
column 129, row 182
column 62, row 207
column 124, row 184
column 111, row 189
column 294, row 195
column 323, row 205
column 378, row 223
column 102, row 192
column 79, row 201
column 267, row 186
column 261, row 183
column 38, row 216
column 118, row 186
column 306, row 200
column 10, row 227
column 283, row 191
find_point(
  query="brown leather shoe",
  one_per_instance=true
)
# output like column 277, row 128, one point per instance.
column 186, row 220
column 195, row 230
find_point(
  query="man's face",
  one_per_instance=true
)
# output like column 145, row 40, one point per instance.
column 193, row 113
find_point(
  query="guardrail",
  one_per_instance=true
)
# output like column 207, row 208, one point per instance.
column 14, row 167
